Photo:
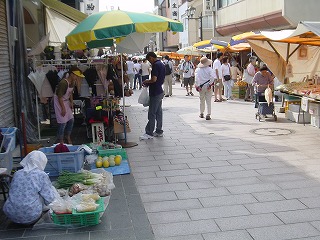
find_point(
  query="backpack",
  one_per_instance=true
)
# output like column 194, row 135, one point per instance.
column 168, row 69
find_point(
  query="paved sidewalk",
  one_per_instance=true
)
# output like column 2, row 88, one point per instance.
column 231, row 177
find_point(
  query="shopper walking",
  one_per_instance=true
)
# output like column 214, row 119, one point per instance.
column 146, row 70
column 261, row 80
column 187, row 68
column 137, row 72
column 235, row 74
column 130, row 72
column 168, row 76
column 156, row 95
column 63, row 103
column 204, row 79
column 226, row 73
column 250, row 72
column 218, row 78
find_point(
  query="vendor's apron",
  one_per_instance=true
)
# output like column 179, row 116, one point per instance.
column 66, row 102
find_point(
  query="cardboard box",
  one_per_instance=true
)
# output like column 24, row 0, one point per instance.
column 238, row 92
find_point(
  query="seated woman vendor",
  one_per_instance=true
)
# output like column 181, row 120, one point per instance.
column 30, row 190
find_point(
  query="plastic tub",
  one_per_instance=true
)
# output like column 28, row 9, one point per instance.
column 11, row 133
column 6, row 160
column 117, row 151
column 69, row 161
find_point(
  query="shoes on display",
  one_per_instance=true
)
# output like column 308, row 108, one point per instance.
column 208, row 117
column 145, row 137
column 155, row 134
column 201, row 115
column 191, row 93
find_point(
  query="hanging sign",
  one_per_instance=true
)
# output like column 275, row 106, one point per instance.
column 91, row 6
column 207, row 7
column 174, row 9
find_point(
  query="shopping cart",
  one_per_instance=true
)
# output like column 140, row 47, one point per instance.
column 264, row 109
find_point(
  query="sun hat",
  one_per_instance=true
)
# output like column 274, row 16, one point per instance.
column 204, row 62
column 76, row 71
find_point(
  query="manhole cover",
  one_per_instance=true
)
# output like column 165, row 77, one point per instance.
column 272, row 131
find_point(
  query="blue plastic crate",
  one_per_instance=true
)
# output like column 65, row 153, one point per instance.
column 6, row 159
column 69, row 161
column 10, row 133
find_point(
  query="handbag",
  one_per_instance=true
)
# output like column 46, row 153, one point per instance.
column 227, row 77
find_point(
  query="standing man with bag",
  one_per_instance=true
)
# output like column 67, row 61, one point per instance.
column 187, row 68
column 168, row 78
column 248, row 79
column 218, row 78
column 156, row 96
column 204, row 78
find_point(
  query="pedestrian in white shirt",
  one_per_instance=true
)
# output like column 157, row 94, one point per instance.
column 130, row 72
column 218, row 78
column 167, row 85
column 204, row 79
column 226, row 73
column 146, row 70
column 187, row 69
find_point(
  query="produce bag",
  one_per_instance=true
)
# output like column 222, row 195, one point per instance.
column 268, row 95
column 144, row 97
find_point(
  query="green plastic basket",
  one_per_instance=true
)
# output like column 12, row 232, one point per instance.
column 83, row 219
column 117, row 151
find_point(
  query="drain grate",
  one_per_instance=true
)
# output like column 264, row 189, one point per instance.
column 272, row 131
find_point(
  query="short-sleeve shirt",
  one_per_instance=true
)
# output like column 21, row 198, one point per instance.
column 217, row 66
column 62, row 88
column 28, row 192
column 158, row 70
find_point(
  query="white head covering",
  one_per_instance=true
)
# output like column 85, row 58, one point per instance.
column 204, row 62
column 35, row 159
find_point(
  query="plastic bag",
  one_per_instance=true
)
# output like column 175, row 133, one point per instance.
column 268, row 95
column 61, row 205
column 144, row 97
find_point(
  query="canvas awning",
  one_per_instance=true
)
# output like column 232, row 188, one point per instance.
column 59, row 14
column 278, row 48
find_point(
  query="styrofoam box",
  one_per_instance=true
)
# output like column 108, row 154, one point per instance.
column 314, row 109
column 69, row 161
column 294, row 107
column 315, row 121
column 293, row 116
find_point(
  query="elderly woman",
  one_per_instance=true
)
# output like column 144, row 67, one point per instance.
column 204, row 79
column 30, row 190
column 261, row 80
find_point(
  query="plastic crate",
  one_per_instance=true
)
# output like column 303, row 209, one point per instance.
column 11, row 133
column 83, row 219
column 6, row 159
column 69, row 161
column 117, row 151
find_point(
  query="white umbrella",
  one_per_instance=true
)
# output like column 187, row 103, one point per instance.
column 190, row 50
column 40, row 46
column 133, row 43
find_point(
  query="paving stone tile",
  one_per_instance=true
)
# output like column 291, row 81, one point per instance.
column 145, row 169
column 305, row 215
column 282, row 170
column 214, row 156
column 312, row 202
column 235, row 182
column 221, row 169
column 239, row 174
column 268, row 196
column 248, row 160
column 257, row 166
column 208, row 164
column 168, row 217
column 163, row 187
column 169, row 157
column 149, row 163
column 164, row 206
column 14, row 233
column 197, row 193
column 42, row 232
column 251, row 188
column 190, row 178
column 150, row 181
column 185, row 228
column 282, row 177
column 227, row 200
column 190, row 160
column 171, row 173
column 274, row 206
column 309, row 238
column 229, row 157
column 200, row 184
column 181, row 151
column 145, row 175
column 250, row 221
column 301, row 192
column 217, row 212
column 174, row 167
column 188, row 237
column 144, row 233
column 78, row 236
column 159, row 196
column 119, row 234
column 229, row 235
column 289, row 231
column 299, row 184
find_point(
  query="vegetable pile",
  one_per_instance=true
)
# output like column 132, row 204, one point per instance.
column 67, row 179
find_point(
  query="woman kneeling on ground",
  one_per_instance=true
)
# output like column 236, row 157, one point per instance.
column 30, row 190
